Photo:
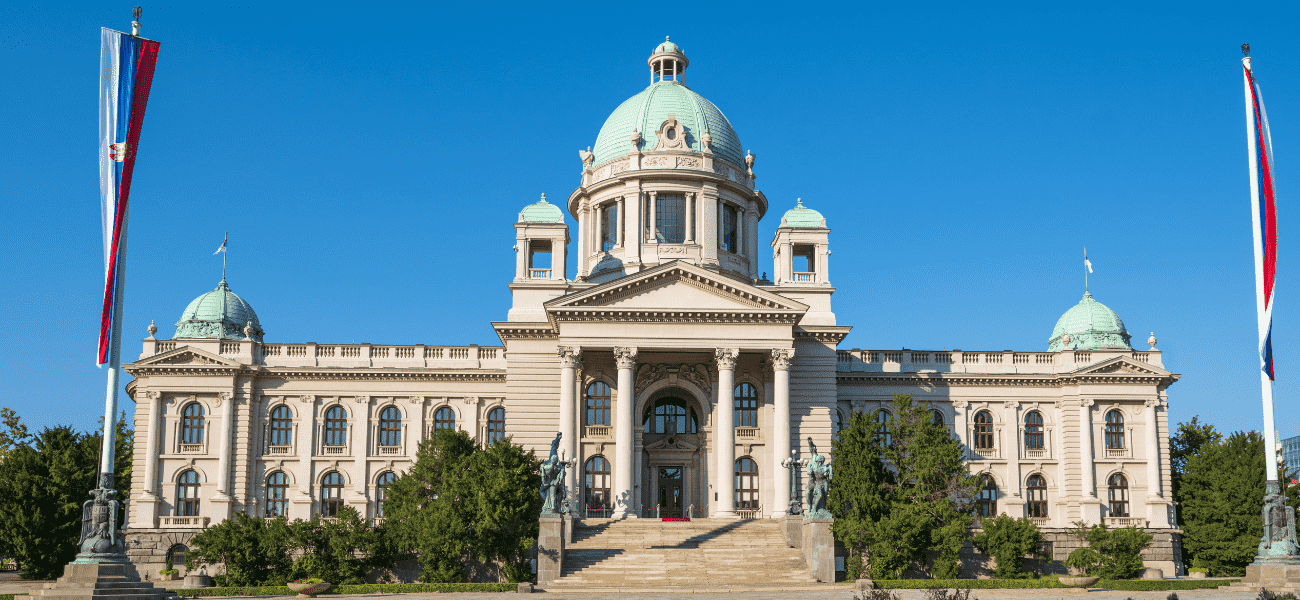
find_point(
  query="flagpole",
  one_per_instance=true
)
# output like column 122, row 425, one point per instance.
column 1261, row 320
column 109, row 443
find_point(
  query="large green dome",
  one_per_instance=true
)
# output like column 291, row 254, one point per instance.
column 646, row 111
column 218, row 314
column 1091, row 325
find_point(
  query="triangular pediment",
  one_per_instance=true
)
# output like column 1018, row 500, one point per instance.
column 676, row 287
column 186, row 356
column 1122, row 365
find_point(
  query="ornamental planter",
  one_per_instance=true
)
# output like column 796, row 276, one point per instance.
column 308, row 590
column 1079, row 582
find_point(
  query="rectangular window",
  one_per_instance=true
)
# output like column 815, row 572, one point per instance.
column 670, row 214
column 729, row 228
column 803, row 263
column 609, row 227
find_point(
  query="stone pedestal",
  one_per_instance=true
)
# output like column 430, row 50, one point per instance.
column 195, row 581
column 793, row 528
column 99, row 582
column 819, row 549
column 550, row 548
column 1277, row 578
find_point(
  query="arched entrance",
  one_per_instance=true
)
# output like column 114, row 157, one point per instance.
column 673, row 476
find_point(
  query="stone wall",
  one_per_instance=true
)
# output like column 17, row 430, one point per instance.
column 147, row 551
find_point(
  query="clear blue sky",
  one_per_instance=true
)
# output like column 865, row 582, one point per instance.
column 368, row 161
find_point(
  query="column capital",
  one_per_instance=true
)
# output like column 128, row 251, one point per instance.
column 625, row 357
column 1087, row 402
column 726, row 358
column 153, row 394
column 781, row 358
column 1155, row 404
column 960, row 404
column 1013, row 404
column 569, row 355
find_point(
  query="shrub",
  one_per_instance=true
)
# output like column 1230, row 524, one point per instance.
column 1111, row 553
column 1140, row 585
column 1009, row 541
column 392, row 588
column 254, row 551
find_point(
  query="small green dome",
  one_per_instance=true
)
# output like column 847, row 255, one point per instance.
column 646, row 111
column 801, row 216
column 667, row 46
column 218, row 314
column 541, row 212
column 1091, row 325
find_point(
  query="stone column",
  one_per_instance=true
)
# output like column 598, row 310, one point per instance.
column 740, row 231
column 724, row 435
column 690, row 219
column 151, row 445
column 959, row 424
column 1153, row 448
column 1013, row 450
column 626, row 359
column 226, row 402
column 568, row 402
column 1085, row 448
column 752, row 253
column 722, row 228
column 622, row 202
column 583, row 267
column 652, row 219
column 780, row 429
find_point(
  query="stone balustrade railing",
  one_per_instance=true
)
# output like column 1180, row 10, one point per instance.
column 967, row 361
column 340, row 355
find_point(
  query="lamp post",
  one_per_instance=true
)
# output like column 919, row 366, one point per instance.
column 796, row 466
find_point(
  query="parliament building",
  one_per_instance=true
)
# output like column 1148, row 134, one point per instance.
column 679, row 373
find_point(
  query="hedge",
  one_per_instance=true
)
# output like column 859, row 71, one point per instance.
column 10, row 596
column 1127, row 585
column 379, row 588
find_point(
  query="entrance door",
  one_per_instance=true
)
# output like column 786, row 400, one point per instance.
column 670, row 491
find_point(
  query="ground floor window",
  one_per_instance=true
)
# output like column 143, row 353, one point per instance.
column 1036, row 488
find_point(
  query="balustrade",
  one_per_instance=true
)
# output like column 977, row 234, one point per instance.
column 183, row 522
column 1114, row 522
column 746, row 433
column 803, row 277
column 278, row 450
column 539, row 273
column 596, row 431
column 191, row 448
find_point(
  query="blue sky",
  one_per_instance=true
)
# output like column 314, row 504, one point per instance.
column 369, row 160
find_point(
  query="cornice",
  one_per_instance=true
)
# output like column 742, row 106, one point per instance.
column 485, row 375
column 525, row 331
column 1005, row 379
column 831, row 334
column 674, row 316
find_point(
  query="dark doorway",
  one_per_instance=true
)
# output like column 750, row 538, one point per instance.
column 670, row 491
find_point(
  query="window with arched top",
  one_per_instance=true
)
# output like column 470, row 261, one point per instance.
column 669, row 416
column 187, row 494
column 496, row 428
column 936, row 417
column 381, row 491
column 746, row 399
column 177, row 554
column 1034, row 430
column 596, row 483
column 988, row 496
column 281, row 426
column 1036, row 496
column 277, row 495
column 192, row 424
column 882, row 435
column 746, row 483
column 336, row 426
column 331, row 494
column 1114, row 430
column 1118, row 495
column 984, row 430
column 444, row 418
column 390, row 427
column 598, row 396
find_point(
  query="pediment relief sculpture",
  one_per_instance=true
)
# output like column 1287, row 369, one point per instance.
column 673, row 442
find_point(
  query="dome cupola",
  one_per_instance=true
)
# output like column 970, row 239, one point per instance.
column 1089, row 325
column 802, row 216
column 541, row 212
column 219, row 314
column 667, row 62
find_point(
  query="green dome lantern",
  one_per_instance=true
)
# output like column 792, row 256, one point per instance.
column 1089, row 325
column 541, row 212
column 801, row 216
column 219, row 314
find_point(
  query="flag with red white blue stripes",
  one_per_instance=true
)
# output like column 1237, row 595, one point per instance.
column 1264, row 219
column 126, row 73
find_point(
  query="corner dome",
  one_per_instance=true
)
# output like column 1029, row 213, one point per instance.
column 219, row 314
column 1091, row 325
column 801, row 216
column 541, row 212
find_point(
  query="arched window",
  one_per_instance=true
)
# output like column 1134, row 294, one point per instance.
column 192, row 424
column 187, row 494
column 988, row 496
column 670, row 416
column 1034, row 430
column 882, row 434
column 746, row 406
column 444, row 418
column 1118, row 495
column 1036, row 488
column 277, row 495
column 983, row 430
column 1114, row 430
column 390, row 427
column 746, row 483
column 598, row 403
column 336, row 426
column 596, row 483
column 496, row 429
column 936, row 417
column 381, row 491
column 177, row 555
column 281, row 426
column 331, row 494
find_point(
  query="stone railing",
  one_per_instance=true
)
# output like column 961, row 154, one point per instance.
column 183, row 522
column 746, row 433
column 596, row 431
column 341, row 355
column 1125, row 522
column 278, row 450
column 968, row 361
column 1040, row 521
column 750, row 513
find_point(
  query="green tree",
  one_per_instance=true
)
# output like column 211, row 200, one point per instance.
column 1009, row 541
column 1186, row 443
column 506, row 506
column 857, row 493
column 340, row 550
column 429, row 510
column 42, row 487
column 12, row 432
column 1222, row 494
column 1110, row 553
column 254, row 551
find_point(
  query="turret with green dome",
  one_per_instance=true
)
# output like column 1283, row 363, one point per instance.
column 1089, row 325
column 801, row 216
column 219, row 314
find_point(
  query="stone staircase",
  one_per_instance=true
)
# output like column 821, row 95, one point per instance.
column 698, row 553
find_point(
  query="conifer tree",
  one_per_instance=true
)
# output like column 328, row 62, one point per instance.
column 857, row 492
column 1222, row 494
column 42, row 488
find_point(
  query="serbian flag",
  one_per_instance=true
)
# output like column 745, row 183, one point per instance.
column 1263, row 215
column 126, row 65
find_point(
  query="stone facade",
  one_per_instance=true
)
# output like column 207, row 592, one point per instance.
column 679, row 373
